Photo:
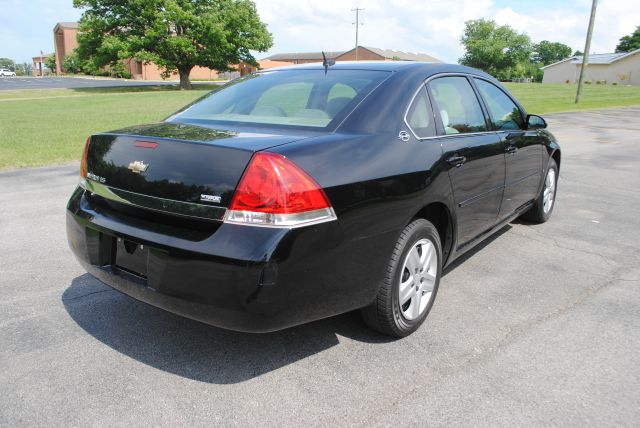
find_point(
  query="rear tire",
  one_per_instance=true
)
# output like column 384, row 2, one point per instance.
column 410, row 284
column 543, row 207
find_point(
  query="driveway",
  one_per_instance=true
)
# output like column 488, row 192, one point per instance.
column 21, row 82
column 541, row 326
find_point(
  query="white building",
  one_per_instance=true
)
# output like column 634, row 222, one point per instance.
column 621, row 68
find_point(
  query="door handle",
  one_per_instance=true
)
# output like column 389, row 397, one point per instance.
column 511, row 149
column 457, row 161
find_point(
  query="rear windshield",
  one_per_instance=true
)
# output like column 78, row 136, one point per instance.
column 300, row 98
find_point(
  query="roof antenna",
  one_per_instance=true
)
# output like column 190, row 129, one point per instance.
column 327, row 62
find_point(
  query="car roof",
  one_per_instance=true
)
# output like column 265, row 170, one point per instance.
column 425, row 68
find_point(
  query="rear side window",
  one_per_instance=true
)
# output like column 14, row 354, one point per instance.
column 457, row 105
column 504, row 113
column 420, row 117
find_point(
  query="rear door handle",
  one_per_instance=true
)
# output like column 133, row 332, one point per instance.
column 457, row 161
column 511, row 149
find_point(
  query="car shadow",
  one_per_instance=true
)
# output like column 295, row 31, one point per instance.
column 476, row 249
column 197, row 351
column 194, row 350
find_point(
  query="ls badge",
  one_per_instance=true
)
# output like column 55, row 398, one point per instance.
column 138, row 166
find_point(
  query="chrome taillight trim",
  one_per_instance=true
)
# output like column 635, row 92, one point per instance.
column 288, row 221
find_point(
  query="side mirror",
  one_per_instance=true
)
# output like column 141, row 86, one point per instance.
column 535, row 122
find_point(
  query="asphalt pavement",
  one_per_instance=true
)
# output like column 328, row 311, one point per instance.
column 27, row 82
column 538, row 327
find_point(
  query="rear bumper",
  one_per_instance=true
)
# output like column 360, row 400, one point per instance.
column 244, row 278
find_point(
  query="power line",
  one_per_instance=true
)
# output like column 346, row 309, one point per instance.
column 358, row 24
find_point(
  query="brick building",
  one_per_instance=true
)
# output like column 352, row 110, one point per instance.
column 364, row 53
column 65, row 35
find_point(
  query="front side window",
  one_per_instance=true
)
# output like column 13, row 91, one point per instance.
column 504, row 113
column 302, row 98
column 457, row 104
column 419, row 116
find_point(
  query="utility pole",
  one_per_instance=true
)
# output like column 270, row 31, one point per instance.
column 357, row 11
column 587, row 47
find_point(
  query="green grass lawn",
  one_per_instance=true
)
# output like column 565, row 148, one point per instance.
column 556, row 97
column 42, row 127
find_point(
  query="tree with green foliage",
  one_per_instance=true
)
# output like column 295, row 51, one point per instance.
column 547, row 52
column 629, row 43
column 24, row 69
column 577, row 53
column 7, row 63
column 497, row 49
column 50, row 63
column 177, row 35
column 71, row 63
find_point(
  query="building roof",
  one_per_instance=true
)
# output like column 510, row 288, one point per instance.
column 302, row 56
column 67, row 24
column 385, row 53
column 403, row 56
column 42, row 56
column 597, row 59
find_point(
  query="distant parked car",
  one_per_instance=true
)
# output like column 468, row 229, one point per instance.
column 300, row 193
column 5, row 72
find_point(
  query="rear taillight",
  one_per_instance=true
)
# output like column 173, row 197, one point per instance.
column 273, row 191
column 83, row 163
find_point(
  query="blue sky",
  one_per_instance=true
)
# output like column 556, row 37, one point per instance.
column 26, row 27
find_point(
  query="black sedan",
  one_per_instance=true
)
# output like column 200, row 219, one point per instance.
column 300, row 193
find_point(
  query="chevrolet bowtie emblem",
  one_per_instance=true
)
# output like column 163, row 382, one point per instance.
column 138, row 166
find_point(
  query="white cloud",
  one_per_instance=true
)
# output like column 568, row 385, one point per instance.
column 436, row 27
column 433, row 27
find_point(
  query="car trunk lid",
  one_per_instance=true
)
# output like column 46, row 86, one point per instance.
column 173, row 167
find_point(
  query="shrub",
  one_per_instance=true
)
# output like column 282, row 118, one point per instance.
column 587, row 82
column 71, row 63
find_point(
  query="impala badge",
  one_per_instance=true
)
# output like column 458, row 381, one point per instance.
column 138, row 166
column 211, row 198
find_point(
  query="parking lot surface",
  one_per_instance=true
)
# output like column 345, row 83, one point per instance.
column 538, row 327
column 21, row 82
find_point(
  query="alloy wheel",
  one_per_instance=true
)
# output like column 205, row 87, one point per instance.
column 549, row 190
column 417, row 280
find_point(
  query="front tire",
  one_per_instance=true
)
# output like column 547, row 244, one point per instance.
column 410, row 284
column 543, row 207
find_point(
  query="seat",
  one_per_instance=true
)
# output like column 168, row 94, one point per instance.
column 445, row 122
column 335, row 105
column 312, row 113
column 268, row 111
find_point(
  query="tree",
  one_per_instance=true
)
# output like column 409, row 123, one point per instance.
column 50, row 63
column 177, row 35
column 24, row 69
column 496, row 49
column 547, row 52
column 7, row 63
column 71, row 63
column 577, row 53
column 629, row 43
